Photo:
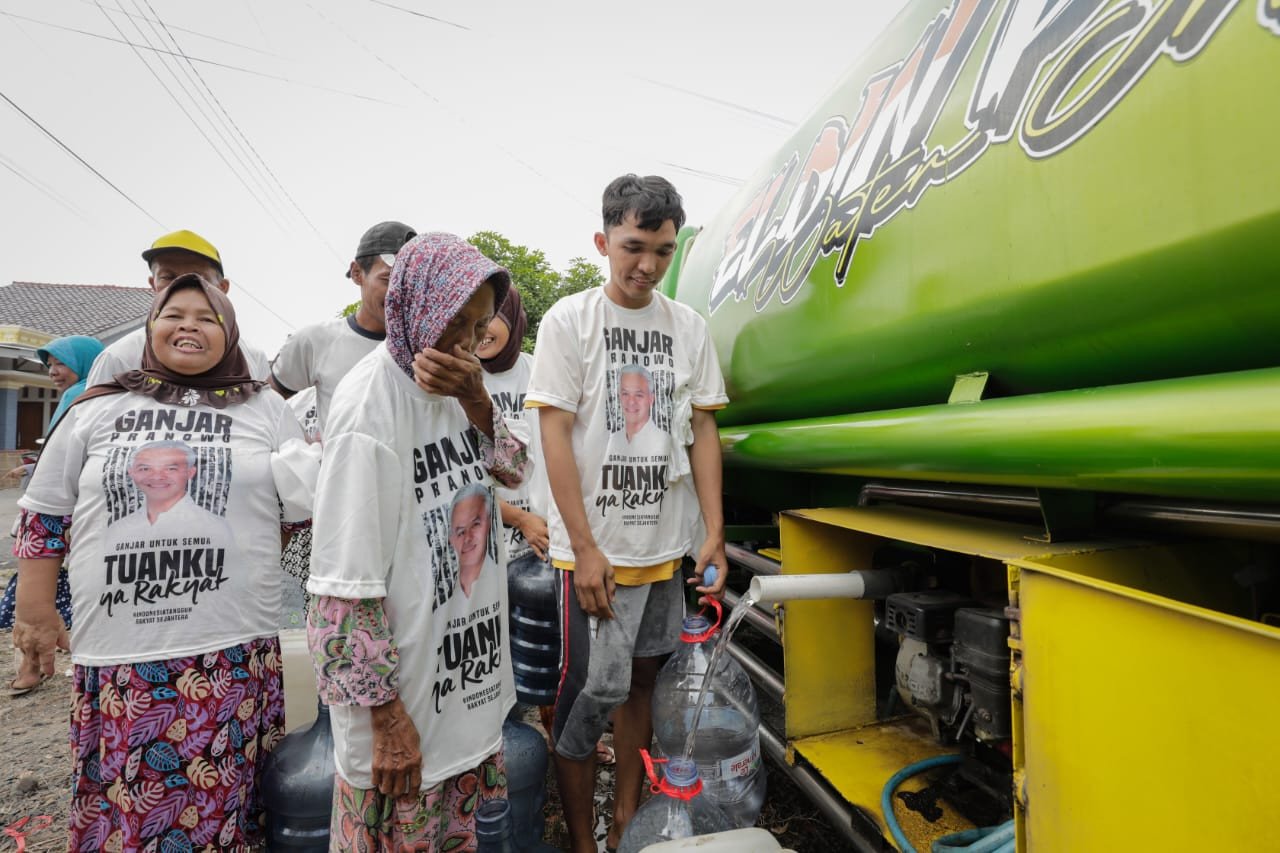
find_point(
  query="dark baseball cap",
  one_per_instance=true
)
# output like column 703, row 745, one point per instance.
column 383, row 239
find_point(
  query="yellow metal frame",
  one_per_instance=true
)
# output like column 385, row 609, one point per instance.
column 1125, row 656
column 1146, row 723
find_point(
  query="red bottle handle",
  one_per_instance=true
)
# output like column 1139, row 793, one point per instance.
column 662, row 786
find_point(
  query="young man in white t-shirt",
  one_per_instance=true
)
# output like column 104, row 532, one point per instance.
column 169, row 257
column 621, row 522
column 319, row 355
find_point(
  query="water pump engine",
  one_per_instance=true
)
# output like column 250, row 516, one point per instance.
column 953, row 663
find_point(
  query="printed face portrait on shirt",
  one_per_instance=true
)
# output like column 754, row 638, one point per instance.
column 162, row 471
column 635, row 397
column 470, row 528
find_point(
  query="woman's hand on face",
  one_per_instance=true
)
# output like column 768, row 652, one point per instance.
column 397, row 761
column 457, row 374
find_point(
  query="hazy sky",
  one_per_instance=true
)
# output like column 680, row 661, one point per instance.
column 299, row 123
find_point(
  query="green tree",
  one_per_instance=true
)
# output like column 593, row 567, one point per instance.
column 539, row 284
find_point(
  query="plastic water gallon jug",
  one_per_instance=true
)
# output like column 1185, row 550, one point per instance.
column 524, row 752
column 493, row 827
column 727, row 746
column 534, row 629
column 677, row 809
column 297, row 788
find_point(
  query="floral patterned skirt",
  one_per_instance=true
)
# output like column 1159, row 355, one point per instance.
column 167, row 753
column 440, row 818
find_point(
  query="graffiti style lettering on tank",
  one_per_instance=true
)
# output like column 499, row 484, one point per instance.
column 1051, row 70
column 1142, row 32
column 1269, row 15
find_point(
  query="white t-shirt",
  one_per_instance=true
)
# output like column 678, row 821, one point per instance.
column 204, row 576
column 126, row 354
column 175, row 522
column 305, row 409
column 648, row 441
column 394, row 458
column 320, row 355
column 507, row 391
column 638, row 515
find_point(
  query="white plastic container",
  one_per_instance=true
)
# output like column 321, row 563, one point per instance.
column 752, row 840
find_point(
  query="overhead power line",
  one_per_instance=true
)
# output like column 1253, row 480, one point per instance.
column 196, row 33
column 419, row 14
column 212, row 62
column 41, row 186
column 452, row 113
column 79, row 159
column 742, row 108
column 201, row 100
column 703, row 173
column 200, row 131
column 245, row 139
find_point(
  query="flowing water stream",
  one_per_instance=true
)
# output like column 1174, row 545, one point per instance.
column 736, row 615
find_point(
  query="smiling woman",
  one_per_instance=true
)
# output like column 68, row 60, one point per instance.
column 186, row 335
column 166, row 476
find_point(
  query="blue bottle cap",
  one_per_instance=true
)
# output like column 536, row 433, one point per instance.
column 709, row 576
column 681, row 772
column 696, row 625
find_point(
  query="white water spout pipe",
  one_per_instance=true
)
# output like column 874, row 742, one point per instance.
column 770, row 589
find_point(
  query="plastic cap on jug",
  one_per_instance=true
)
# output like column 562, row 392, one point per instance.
column 695, row 625
column 681, row 772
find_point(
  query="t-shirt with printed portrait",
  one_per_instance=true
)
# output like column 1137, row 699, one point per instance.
column 176, row 521
column 507, row 390
column 405, row 513
column 632, row 377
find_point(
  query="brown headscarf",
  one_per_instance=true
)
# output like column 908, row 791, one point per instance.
column 225, row 384
column 512, row 313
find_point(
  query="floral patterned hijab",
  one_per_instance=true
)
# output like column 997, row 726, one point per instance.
column 432, row 279
column 225, row 384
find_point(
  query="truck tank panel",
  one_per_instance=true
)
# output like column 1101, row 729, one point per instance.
column 1060, row 195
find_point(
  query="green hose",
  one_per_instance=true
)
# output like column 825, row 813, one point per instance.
column 991, row 839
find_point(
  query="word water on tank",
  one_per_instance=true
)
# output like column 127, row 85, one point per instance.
column 726, row 746
column 677, row 809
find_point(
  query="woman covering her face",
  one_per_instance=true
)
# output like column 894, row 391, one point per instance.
column 167, row 476
column 408, row 570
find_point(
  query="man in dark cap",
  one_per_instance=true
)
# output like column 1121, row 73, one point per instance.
column 321, row 354
column 169, row 257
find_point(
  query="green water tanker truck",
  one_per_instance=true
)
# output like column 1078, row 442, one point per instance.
column 1000, row 325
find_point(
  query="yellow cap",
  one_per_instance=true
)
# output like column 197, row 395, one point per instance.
column 187, row 241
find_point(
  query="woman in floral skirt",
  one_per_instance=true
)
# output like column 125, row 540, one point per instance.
column 174, row 567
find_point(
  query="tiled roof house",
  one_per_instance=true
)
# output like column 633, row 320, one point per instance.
column 34, row 313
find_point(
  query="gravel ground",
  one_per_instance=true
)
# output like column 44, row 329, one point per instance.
column 35, row 775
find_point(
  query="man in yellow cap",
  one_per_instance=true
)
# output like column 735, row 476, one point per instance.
column 169, row 257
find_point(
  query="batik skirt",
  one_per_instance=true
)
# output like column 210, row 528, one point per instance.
column 167, row 753
column 441, row 818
